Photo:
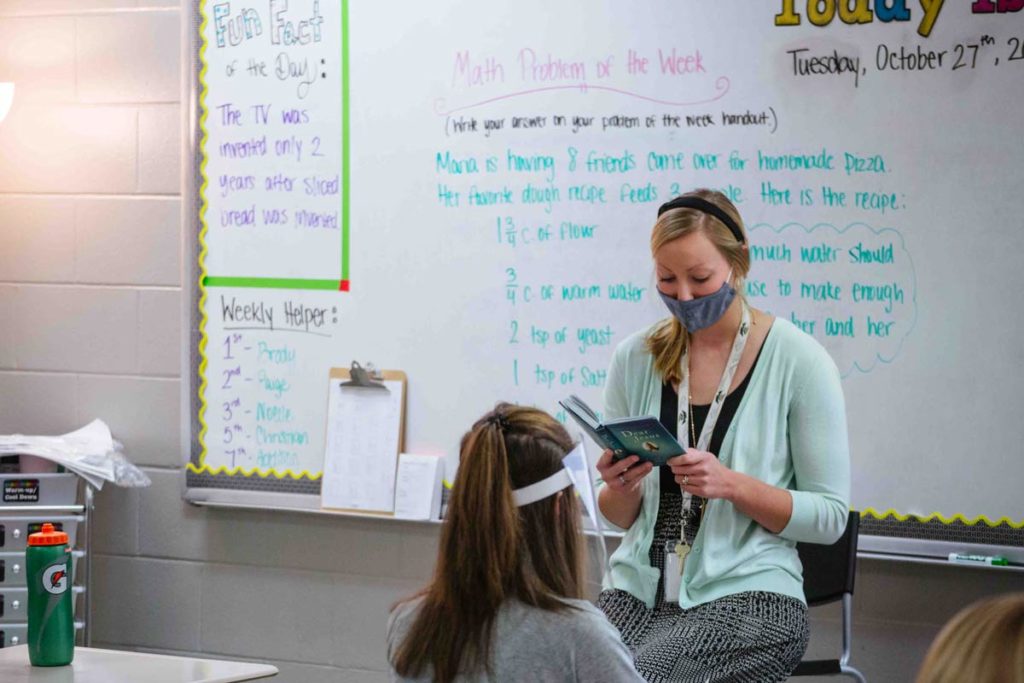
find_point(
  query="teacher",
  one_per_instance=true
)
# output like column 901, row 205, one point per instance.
column 706, row 584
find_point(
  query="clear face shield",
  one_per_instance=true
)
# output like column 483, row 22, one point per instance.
column 574, row 475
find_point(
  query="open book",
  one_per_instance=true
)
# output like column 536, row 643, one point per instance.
column 642, row 436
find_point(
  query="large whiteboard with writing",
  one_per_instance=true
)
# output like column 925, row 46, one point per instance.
column 477, row 212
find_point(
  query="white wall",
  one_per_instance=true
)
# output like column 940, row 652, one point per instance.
column 90, row 296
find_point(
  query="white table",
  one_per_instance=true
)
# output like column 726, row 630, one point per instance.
column 114, row 666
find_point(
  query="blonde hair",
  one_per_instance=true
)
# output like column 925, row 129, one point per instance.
column 983, row 643
column 667, row 342
column 492, row 551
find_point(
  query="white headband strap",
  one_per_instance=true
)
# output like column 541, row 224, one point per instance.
column 543, row 488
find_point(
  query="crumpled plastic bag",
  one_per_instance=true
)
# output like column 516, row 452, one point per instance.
column 90, row 452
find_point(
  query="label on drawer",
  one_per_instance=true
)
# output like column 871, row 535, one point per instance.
column 21, row 490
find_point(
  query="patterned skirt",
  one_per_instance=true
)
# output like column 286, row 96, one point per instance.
column 756, row 636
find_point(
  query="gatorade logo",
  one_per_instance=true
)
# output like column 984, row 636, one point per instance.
column 55, row 578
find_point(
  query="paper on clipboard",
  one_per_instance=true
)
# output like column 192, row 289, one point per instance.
column 364, row 429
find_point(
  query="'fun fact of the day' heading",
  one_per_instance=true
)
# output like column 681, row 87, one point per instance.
column 285, row 28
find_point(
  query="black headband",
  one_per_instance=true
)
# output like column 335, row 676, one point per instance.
column 703, row 205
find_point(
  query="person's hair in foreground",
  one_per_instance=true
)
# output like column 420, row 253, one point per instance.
column 490, row 550
column 983, row 643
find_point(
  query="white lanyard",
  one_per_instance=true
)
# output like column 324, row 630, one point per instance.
column 683, row 428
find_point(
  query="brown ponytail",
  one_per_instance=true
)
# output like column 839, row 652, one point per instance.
column 492, row 551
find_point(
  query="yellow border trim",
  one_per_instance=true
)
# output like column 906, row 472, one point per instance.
column 223, row 469
column 203, row 135
column 945, row 520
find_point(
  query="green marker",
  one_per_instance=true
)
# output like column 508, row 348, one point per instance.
column 993, row 560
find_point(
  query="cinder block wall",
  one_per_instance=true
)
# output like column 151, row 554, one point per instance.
column 90, row 296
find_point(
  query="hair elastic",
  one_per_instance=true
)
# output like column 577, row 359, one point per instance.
column 703, row 205
column 540, row 490
column 499, row 421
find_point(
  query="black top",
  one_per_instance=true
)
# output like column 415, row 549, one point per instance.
column 670, row 411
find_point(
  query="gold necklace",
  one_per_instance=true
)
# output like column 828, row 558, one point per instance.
column 689, row 402
column 693, row 442
column 689, row 417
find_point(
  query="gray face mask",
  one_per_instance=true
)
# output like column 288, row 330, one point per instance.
column 705, row 311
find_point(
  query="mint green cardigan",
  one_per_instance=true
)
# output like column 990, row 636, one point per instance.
column 789, row 431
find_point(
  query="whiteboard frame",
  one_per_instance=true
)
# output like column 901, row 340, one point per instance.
column 190, row 226
column 897, row 547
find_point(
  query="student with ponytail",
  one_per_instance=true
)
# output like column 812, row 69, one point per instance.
column 505, row 602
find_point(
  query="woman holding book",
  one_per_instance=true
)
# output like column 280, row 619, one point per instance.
column 706, row 585
column 505, row 602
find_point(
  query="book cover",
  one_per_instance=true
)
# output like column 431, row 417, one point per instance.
column 643, row 436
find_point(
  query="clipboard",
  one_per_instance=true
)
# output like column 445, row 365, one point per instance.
column 365, row 435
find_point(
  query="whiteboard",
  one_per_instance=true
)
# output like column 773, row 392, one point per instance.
column 499, row 169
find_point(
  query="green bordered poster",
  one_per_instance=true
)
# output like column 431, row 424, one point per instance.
column 274, row 235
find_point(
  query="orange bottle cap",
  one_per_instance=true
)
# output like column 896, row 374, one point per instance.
column 48, row 536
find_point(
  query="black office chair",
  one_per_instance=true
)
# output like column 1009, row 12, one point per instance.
column 829, row 571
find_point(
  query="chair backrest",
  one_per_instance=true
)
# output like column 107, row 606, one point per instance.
column 829, row 569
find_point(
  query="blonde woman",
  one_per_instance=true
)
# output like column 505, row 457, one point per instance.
column 505, row 602
column 983, row 643
column 706, row 584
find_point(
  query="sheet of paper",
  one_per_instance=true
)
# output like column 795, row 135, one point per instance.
column 363, row 426
column 418, row 490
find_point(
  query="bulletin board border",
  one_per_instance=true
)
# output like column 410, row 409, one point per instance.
column 935, row 527
column 252, row 482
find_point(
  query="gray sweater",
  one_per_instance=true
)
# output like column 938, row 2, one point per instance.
column 532, row 644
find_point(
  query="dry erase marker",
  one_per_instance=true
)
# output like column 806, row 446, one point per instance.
column 994, row 560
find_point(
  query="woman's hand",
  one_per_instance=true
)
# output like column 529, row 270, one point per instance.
column 624, row 476
column 622, row 494
column 701, row 474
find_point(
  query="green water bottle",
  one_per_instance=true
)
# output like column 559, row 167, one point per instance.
column 51, row 623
